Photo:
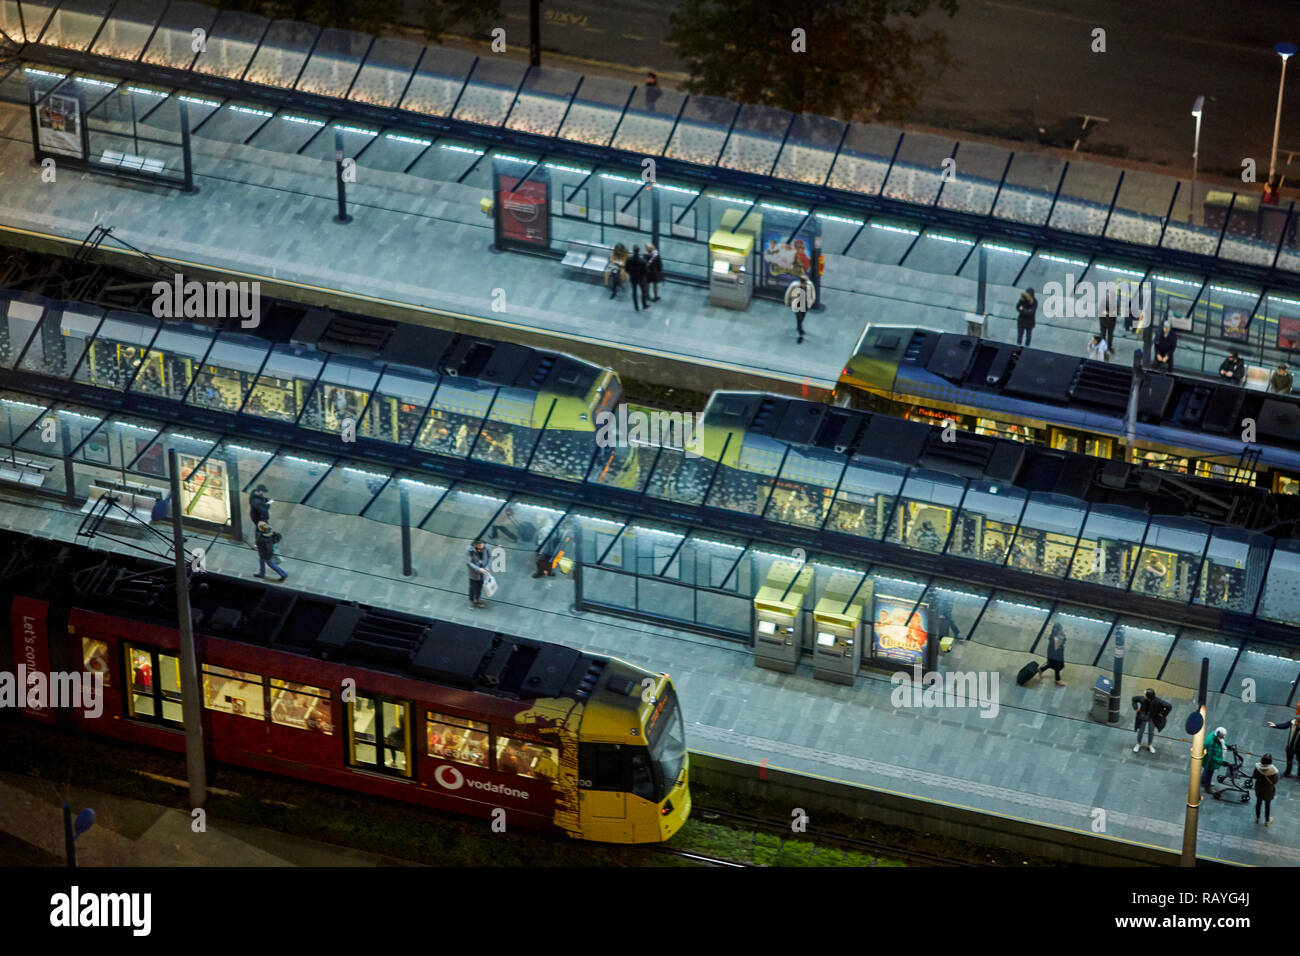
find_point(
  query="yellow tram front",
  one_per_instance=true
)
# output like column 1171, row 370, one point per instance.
column 633, row 767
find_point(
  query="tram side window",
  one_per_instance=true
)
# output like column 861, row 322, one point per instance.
column 234, row 692
column 379, row 735
column 458, row 738
column 301, row 706
column 527, row 759
column 155, row 685
column 94, row 658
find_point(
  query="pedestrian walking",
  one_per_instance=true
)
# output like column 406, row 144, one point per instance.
column 1280, row 381
column 259, row 507
column 1265, row 777
column 636, row 274
column 267, row 539
column 652, row 91
column 1213, row 759
column 1233, row 368
column 1292, row 738
column 1056, row 652
column 1026, row 314
column 477, row 557
column 1150, row 716
column 654, row 270
column 800, row 297
column 1106, row 321
column 1165, row 342
column 1097, row 349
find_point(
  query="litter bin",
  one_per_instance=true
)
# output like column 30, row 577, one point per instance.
column 975, row 325
column 1101, row 695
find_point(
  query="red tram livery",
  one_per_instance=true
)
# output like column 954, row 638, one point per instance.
column 453, row 717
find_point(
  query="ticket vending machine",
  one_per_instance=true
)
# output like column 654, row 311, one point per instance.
column 778, row 616
column 731, row 284
column 837, row 628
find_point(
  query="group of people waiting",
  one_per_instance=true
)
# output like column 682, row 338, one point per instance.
column 642, row 273
column 1233, row 369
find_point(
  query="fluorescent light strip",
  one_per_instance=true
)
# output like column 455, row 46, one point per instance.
column 621, row 179
column 998, row 248
column 139, row 428
column 251, row 451
column 957, row 239
column 355, row 129
column 201, row 441
column 422, row 484
column 1027, row 607
column 11, row 401
column 1070, row 262
column 306, row 461
column 1159, row 277
column 567, row 169
column 1120, row 270
column 609, row 523
column 1231, row 291
column 99, row 83
column 364, row 474
column 35, row 72
column 475, row 494
column 549, row 511
column 843, row 219
column 906, row 584
column 409, row 139
column 200, row 102
column 460, row 149
column 779, row 208
column 302, row 119
column 89, row 418
column 677, row 189
column 1274, row 298
column 736, row 199
column 719, row 544
column 250, row 111
column 515, row 159
column 886, row 228
column 141, row 89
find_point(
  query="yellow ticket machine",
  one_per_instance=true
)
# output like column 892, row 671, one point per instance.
column 778, row 616
column 837, row 628
column 731, row 284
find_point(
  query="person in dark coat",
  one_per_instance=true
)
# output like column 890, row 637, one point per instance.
column 1106, row 321
column 1292, row 738
column 654, row 270
column 1165, row 342
column 259, row 507
column 1265, row 777
column 636, row 274
column 1151, row 714
column 1026, row 314
column 1233, row 368
column 267, row 539
column 1056, row 652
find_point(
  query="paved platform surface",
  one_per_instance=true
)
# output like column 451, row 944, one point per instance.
column 424, row 244
column 1039, row 758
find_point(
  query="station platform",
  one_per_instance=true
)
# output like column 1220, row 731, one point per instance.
column 418, row 249
column 1037, row 758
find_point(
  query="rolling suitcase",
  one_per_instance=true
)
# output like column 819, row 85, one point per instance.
column 1027, row 673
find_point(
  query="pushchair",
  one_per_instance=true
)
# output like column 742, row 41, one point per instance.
column 1233, row 778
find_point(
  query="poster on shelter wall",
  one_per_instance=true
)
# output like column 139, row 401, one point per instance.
column 58, row 125
column 1288, row 333
column 524, row 210
column 1235, row 325
column 899, row 630
column 786, row 258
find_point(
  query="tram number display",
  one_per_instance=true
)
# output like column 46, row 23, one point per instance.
column 655, row 714
column 899, row 632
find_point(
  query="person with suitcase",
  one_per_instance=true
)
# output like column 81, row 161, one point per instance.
column 1027, row 673
column 1056, row 652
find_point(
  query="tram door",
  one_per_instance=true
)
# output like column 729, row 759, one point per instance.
column 603, row 782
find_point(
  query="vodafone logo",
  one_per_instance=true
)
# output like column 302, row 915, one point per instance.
column 449, row 778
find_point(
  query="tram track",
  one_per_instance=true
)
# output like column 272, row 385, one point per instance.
column 827, row 838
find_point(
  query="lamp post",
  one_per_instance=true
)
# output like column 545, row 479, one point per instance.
column 1285, row 51
column 1197, row 107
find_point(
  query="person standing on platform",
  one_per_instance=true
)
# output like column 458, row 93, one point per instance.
column 1106, row 321
column 1292, row 738
column 1165, row 343
column 1150, row 709
column 267, row 539
column 800, row 297
column 654, row 270
column 1213, row 759
column 1056, row 652
column 652, row 91
column 636, row 274
column 1265, row 777
column 476, row 556
column 1026, row 315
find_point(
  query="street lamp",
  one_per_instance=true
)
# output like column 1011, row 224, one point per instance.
column 1197, row 107
column 1285, row 51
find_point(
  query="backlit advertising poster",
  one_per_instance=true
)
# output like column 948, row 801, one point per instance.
column 524, row 210
column 58, row 125
column 898, row 632
column 1235, row 325
column 784, row 261
column 1288, row 333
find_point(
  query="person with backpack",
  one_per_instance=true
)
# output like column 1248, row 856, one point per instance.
column 267, row 539
column 1151, row 714
column 800, row 296
column 1265, row 777
column 1026, row 314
